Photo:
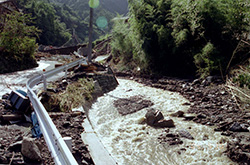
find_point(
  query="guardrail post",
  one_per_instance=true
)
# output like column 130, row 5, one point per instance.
column 68, row 141
column 79, row 64
column 66, row 71
column 44, row 83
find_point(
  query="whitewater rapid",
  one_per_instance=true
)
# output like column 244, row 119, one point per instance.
column 131, row 143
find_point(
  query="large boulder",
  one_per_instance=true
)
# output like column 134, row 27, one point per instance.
column 156, row 119
column 158, row 115
column 30, row 150
column 153, row 116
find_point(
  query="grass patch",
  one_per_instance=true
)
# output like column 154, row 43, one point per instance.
column 75, row 95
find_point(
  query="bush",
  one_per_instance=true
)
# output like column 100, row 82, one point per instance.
column 75, row 95
column 214, row 28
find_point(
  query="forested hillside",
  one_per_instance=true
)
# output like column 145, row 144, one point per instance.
column 182, row 37
column 114, row 6
column 60, row 19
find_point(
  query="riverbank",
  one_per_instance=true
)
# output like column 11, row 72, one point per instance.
column 12, row 134
column 213, row 105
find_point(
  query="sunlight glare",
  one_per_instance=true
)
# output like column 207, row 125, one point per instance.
column 102, row 22
column 94, row 3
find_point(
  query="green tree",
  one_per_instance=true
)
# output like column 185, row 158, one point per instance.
column 17, row 42
column 53, row 31
column 209, row 30
column 185, row 37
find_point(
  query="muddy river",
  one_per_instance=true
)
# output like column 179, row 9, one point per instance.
column 131, row 142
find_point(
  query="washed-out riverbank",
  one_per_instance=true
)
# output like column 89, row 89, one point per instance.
column 130, row 141
column 12, row 134
column 209, row 102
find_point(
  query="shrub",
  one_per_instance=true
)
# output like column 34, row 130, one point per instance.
column 75, row 95
column 212, row 29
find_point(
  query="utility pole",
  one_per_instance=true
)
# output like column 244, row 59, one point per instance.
column 90, row 34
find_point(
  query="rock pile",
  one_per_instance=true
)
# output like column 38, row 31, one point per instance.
column 170, row 138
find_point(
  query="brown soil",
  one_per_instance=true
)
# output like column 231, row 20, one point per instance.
column 70, row 125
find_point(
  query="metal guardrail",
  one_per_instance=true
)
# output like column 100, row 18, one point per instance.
column 58, row 148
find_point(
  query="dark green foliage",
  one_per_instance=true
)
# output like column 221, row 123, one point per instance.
column 211, row 31
column 113, row 6
column 53, row 30
column 80, row 10
column 122, row 44
column 17, row 43
column 184, row 37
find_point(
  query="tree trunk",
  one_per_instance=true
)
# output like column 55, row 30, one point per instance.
column 90, row 35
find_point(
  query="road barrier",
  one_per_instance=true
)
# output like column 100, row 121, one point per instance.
column 56, row 144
